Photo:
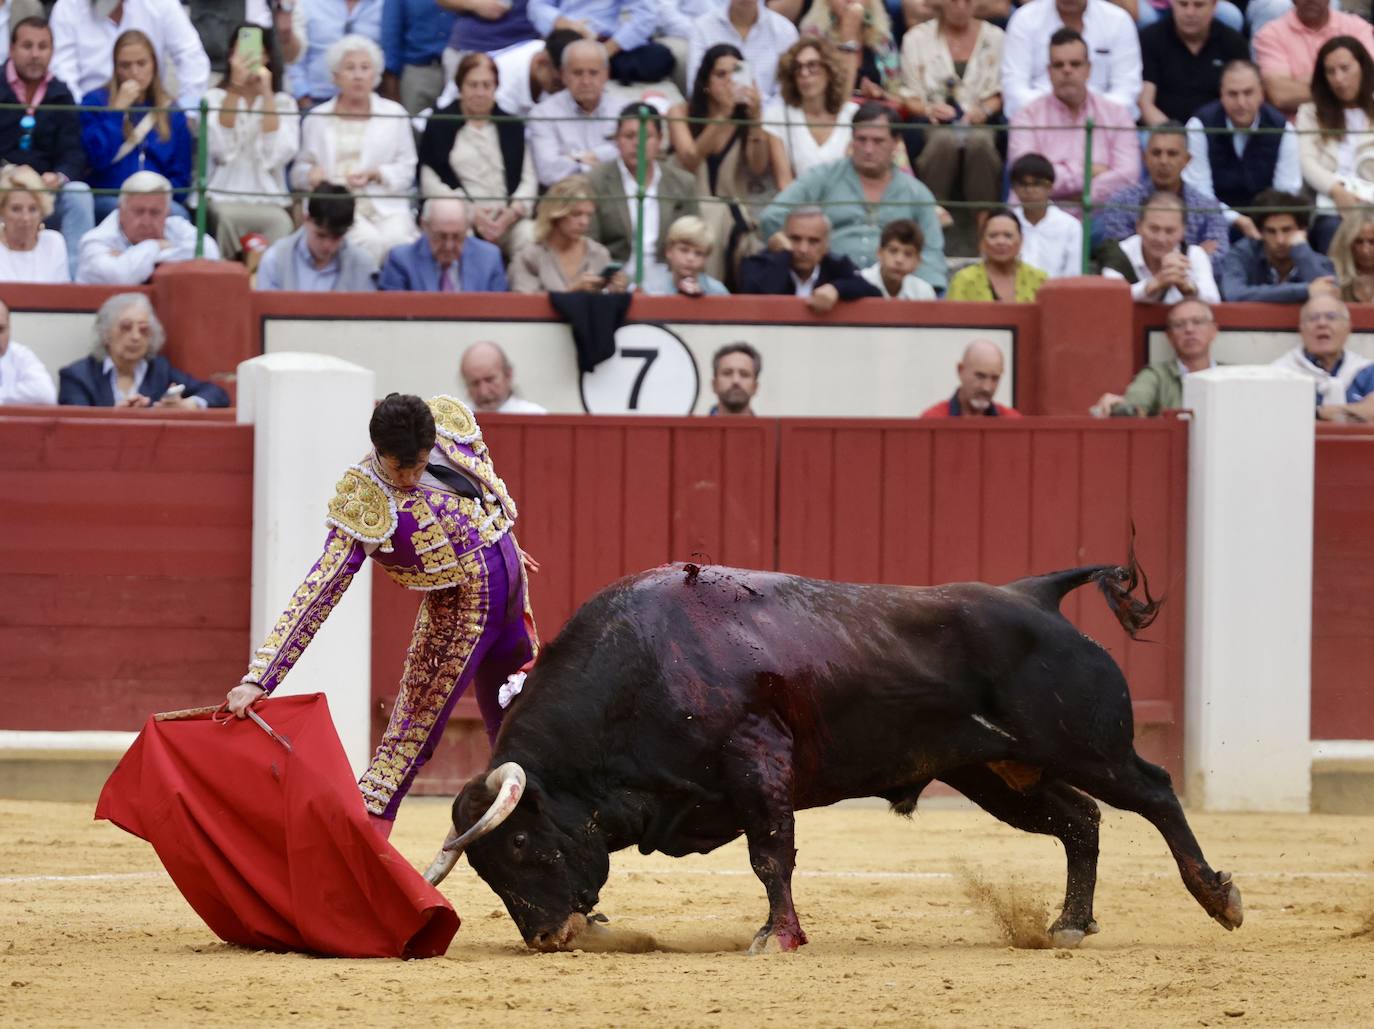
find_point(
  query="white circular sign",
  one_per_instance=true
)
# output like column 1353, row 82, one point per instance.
column 652, row 372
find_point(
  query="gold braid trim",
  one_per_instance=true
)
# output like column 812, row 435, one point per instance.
column 362, row 508
column 454, row 420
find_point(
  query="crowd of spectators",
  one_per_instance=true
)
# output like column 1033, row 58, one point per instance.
column 827, row 149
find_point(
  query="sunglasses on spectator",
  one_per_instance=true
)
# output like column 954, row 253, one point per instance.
column 807, row 67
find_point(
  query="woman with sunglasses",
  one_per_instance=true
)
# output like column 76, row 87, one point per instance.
column 809, row 122
column 132, row 124
column 28, row 252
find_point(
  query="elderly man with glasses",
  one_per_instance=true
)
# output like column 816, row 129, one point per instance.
column 1159, row 387
column 1324, row 327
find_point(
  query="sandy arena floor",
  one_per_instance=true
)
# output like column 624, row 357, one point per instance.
column 900, row 935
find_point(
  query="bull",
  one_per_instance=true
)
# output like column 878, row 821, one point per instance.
column 685, row 706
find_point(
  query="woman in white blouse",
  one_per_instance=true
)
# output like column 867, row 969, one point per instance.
column 464, row 153
column 1335, row 144
column 365, row 143
column 251, row 139
column 809, row 122
column 951, row 76
column 29, row 252
column 1165, row 271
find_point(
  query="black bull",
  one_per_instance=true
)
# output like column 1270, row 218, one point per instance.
column 684, row 706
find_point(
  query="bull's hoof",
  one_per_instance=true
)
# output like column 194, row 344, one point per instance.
column 1233, row 914
column 768, row 941
column 1066, row 939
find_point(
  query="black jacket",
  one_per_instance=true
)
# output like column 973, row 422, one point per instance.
column 56, row 144
column 770, row 273
column 437, row 142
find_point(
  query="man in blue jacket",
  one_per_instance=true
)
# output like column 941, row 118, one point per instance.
column 444, row 259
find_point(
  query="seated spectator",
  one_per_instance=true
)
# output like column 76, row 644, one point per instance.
column 1352, row 257
column 365, row 143
column 444, row 259
column 490, row 381
column 126, row 367
column 1000, row 274
column 1324, row 328
column 759, row 35
column 327, row 23
column 1051, row 239
column 1280, row 267
column 735, row 370
column 529, row 69
column 1183, row 55
column 142, row 233
column 684, row 269
column 624, row 26
column 1166, row 155
column 1158, row 387
column 1286, row 49
column 317, row 257
column 669, row 193
column 217, row 24
column 41, row 135
column 809, row 123
column 562, row 258
column 864, row 192
column 802, row 265
column 1335, row 145
column 85, row 35
column 980, row 371
column 1162, row 267
column 951, row 76
column 1236, row 164
column 414, row 35
column 23, row 379
column 139, row 133
column 1041, row 126
column 899, row 255
column 570, row 132
column 29, row 252
column 467, row 154
column 251, row 139
column 862, row 32
column 1108, row 32
column 731, row 155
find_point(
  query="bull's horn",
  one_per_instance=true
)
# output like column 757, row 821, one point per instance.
column 508, row 783
column 443, row 862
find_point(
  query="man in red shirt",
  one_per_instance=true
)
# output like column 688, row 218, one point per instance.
column 980, row 370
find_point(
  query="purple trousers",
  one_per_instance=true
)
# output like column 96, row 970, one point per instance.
column 473, row 633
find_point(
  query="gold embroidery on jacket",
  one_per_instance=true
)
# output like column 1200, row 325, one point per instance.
column 362, row 508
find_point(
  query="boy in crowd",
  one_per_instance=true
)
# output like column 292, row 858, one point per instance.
column 899, row 255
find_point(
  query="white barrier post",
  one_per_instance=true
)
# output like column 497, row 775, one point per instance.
column 310, row 415
column 1249, row 639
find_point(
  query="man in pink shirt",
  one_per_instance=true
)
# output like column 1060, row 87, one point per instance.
column 1040, row 128
column 1286, row 49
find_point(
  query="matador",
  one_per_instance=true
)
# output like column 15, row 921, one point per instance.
column 428, row 507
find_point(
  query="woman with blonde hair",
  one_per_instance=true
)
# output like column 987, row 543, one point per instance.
column 143, row 131
column 1352, row 254
column 809, row 122
column 862, row 31
column 29, row 252
column 563, row 258
column 362, row 142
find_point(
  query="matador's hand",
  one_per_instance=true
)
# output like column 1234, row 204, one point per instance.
column 531, row 565
column 242, row 697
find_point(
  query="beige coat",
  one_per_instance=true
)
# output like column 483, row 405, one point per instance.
column 926, row 64
column 1319, row 154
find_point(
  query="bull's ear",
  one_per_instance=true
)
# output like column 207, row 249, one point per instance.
column 472, row 801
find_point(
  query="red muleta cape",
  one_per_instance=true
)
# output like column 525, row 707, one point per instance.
column 273, row 848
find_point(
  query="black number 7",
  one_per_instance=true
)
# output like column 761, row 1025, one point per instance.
column 648, row 357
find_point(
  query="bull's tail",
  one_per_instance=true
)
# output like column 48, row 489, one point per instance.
column 1118, row 584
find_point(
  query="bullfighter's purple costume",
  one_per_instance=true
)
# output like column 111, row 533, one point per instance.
column 473, row 625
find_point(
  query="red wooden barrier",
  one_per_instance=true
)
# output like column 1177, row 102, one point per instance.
column 1343, row 556
column 125, row 552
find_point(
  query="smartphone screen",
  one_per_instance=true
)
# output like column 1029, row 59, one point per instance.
column 611, row 269
column 249, row 47
column 742, row 76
